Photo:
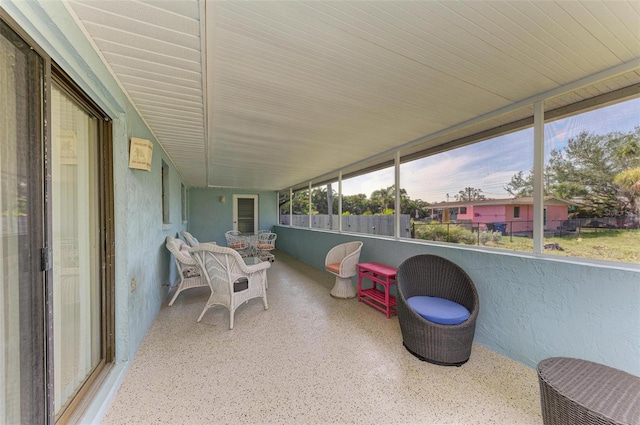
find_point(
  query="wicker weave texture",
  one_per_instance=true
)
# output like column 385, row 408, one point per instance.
column 222, row 267
column 580, row 392
column 432, row 275
column 347, row 255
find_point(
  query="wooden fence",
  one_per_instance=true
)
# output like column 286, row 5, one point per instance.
column 369, row 224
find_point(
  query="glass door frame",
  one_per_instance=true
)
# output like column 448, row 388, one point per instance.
column 106, row 234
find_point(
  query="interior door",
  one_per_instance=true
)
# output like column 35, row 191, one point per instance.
column 245, row 213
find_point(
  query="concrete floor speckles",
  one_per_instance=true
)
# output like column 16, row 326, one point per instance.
column 308, row 359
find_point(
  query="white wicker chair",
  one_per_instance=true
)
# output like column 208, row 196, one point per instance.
column 266, row 243
column 341, row 261
column 222, row 268
column 236, row 241
column 188, row 270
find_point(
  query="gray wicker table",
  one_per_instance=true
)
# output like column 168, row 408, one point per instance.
column 574, row 391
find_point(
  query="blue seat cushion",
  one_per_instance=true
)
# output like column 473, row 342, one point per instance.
column 439, row 310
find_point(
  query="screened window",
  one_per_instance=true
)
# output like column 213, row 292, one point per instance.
column 324, row 206
column 284, row 207
column 166, row 219
column 465, row 195
column 592, row 184
column 483, row 193
column 368, row 203
column 183, row 201
column 300, row 207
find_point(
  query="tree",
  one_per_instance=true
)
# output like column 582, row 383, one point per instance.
column 469, row 194
column 587, row 168
column 385, row 198
column 412, row 206
column 592, row 168
column 330, row 205
column 319, row 200
column 520, row 186
column 355, row 204
column 300, row 203
column 284, row 202
column 630, row 180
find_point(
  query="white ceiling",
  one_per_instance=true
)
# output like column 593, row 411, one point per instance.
column 269, row 94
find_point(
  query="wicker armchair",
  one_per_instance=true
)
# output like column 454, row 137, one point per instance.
column 434, row 276
column 232, row 282
column 235, row 240
column 341, row 261
column 188, row 270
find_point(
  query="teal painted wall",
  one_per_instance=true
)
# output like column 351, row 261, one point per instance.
column 531, row 307
column 209, row 218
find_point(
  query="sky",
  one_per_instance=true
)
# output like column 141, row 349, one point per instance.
column 489, row 165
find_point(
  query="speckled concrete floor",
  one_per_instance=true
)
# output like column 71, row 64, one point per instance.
column 309, row 359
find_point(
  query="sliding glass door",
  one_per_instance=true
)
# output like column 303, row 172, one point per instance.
column 23, row 352
column 76, row 258
column 56, row 238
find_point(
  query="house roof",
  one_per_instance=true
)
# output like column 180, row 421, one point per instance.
column 548, row 200
column 266, row 95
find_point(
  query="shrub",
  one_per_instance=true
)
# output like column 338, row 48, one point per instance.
column 459, row 234
column 432, row 232
column 445, row 233
column 489, row 236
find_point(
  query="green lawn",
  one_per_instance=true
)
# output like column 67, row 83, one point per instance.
column 614, row 245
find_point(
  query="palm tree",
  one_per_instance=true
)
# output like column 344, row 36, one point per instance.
column 629, row 180
column 384, row 197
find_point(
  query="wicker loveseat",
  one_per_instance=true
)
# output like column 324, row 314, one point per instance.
column 434, row 276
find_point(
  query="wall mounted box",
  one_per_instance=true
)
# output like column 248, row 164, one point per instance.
column 140, row 154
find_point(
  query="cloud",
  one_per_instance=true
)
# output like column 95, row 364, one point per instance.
column 489, row 165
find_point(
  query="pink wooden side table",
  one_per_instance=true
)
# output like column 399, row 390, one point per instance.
column 377, row 298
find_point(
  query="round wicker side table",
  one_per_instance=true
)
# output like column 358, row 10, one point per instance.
column 574, row 391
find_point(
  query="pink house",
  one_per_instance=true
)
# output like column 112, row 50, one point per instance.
column 513, row 215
